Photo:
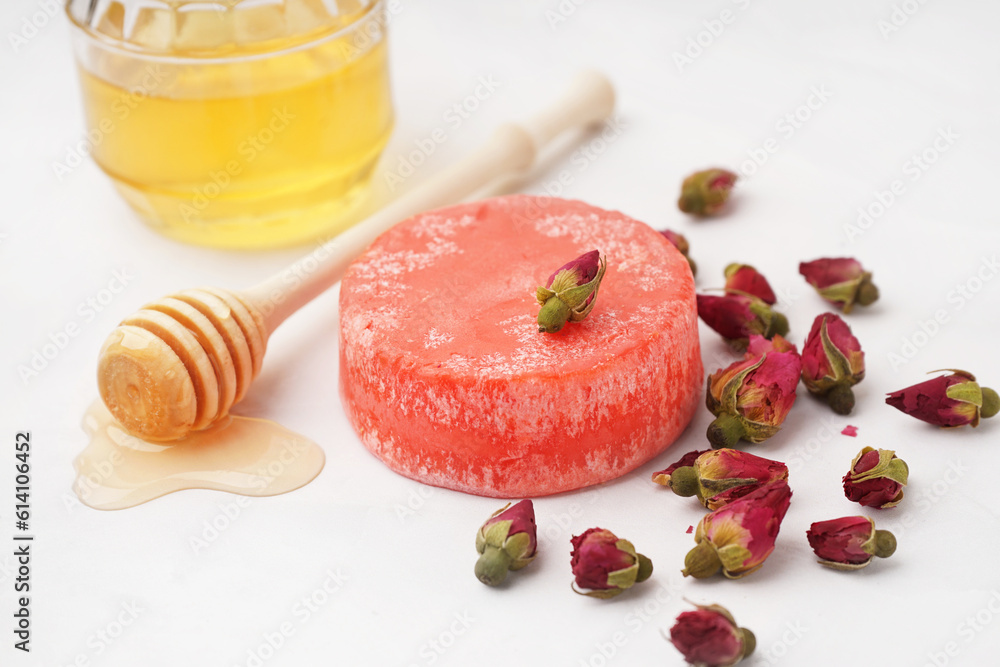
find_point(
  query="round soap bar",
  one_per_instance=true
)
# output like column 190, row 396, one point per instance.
column 447, row 380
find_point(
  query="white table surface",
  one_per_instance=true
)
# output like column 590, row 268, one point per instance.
column 397, row 555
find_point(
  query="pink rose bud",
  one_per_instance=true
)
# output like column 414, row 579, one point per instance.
column 949, row 400
column 744, row 279
column 606, row 565
column 570, row 294
column 681, row 244
column 718, row 477
column 876, row 478
column 832, row 362
column 849, row 543
column 751, row 398
column 736, row 317
column 841, row 281
column 709, row 637
column 704, row 192
column 739, row 537
column 507, row 541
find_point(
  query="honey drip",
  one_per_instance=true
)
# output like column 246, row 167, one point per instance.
column 251, row 457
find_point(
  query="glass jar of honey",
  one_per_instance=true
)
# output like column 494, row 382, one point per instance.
column 236, row 123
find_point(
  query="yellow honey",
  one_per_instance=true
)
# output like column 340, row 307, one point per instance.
column 241, row 143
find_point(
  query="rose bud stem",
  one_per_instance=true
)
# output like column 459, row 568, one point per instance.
column 702, row 561
column 553, row 315
column 725, row 431
column 991, row 403
column 493, row 565
column 841, row 399
column 867, row 294
column 885, row 543
column 684, row 481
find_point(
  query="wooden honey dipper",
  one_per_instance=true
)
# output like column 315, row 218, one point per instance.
column 180, row 363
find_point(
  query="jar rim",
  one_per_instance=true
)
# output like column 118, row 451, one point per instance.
column 125, row 48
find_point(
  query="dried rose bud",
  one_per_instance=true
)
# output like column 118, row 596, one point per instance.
column 507, row 541
column 751, row 398
column 849, row 543
column 738, row 316
column 832, row 362
column 949, row 400
column 744, row 279
column 739, row 537
column 571, row 292
column 606, row 565
column 718, row 477
column 841, row 281
column 709, row 637
column 876, row 478
column 681, row 244
column 704, row 192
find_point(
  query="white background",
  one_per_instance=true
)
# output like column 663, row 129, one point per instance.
column 404, row 552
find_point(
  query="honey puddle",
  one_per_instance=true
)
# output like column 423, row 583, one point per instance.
column 251, row 457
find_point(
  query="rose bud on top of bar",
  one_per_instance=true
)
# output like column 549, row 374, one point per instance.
column 736, row 317
column 704, row 192
column 709, row 637
column 876, row 478
column 842, row 281
column 948, row 400
column 718, row 477
column 739, row 537
column 849, row 543
column 832, row 362
column 606, row 565
column 751, row 398
column 681, row 244
column 571, row 292
column 744, row 279
column 507, row 541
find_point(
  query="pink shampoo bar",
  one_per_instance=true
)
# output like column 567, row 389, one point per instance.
column 447, row 380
